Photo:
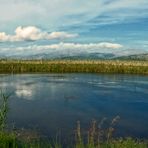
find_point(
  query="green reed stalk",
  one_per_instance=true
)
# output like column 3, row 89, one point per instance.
column 3, row 110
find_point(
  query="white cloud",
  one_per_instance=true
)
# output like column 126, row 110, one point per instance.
column 82, row 46
column 68, row 12
column 61, row 35
column 24, row 91
column 33, row 33
column 69, row 46
column 54, row 50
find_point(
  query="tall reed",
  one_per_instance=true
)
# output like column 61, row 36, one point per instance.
column 74, row 66
column 3, row 110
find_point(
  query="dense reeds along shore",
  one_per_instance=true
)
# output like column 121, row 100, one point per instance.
column 74, row 66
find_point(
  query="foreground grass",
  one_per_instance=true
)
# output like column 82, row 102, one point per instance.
column 74, row 66
column 120, row 143
column 10, row 141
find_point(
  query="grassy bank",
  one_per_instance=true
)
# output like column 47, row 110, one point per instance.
column 74, row 66
column 10, row 141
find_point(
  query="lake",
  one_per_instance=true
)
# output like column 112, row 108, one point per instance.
column 50, row 103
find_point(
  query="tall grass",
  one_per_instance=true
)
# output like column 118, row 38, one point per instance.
column 6, row 140
column 103, row 138
column 3, row 110
column 74, row 66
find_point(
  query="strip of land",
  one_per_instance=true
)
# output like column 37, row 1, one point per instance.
column 74, row 66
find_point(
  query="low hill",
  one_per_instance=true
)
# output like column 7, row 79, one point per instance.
column 141, row 57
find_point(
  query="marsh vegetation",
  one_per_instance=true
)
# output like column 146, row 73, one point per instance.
column 74, row 66
column 95, row 136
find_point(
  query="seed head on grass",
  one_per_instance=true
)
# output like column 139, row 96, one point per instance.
column 100, row 130
column 111, row 128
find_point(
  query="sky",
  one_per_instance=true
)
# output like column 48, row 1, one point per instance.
column 45, row 26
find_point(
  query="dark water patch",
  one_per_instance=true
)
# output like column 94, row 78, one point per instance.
column 51, row 103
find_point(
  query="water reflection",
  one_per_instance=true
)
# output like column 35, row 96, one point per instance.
column 24, row 91
column 52, row 101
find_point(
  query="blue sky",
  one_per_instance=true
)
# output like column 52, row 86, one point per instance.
column 29, row 26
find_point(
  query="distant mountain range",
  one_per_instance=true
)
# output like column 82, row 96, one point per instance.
column 131, row 54
column 135, row 57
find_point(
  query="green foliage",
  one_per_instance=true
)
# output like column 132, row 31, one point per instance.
column 7, row 140
column 98, row 138
column 126, row 143
column 3, row 110
column 74, row 66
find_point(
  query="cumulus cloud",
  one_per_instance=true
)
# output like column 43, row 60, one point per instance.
column 62, row 48
column 33, row 33
column 102, row 45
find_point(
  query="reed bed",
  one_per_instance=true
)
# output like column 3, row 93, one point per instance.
column 97, row 137
column 74, row 66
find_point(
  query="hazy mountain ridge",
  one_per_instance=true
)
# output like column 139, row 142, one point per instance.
column 130, row 54
column 135, row 57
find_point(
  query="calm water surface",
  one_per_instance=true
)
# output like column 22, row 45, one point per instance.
column 54, row 102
